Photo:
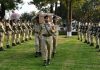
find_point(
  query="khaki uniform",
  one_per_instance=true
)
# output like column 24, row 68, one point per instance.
column 18, row 39
column 8, row 33
column 88, row 34
column 14, row 34
column 55, row 35
column 26, row 31
column 2, row 30
column 37, row 30
column 23, row 32
column 47, row 41
column 97, row 37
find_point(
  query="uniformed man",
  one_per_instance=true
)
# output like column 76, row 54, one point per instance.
column 37, row 30
column 23, row 31
column 96, row 36
column 85, row 32
column 55, row 35
column 30, row 31
column 81, row 31
column 92, row 34
column 2, row 31
column 88, row 33
column 8, row 33
column 78, row 30
column 98, row 47
column 26, row 31
column 47, row 41
column 18, row 39
column 14, row 33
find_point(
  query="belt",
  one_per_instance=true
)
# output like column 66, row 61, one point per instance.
column 46, row 35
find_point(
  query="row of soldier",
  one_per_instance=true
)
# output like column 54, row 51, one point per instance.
column 14, row 32
column 90, row 34
column 46, row 31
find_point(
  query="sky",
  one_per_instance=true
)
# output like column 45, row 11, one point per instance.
column 27, row 8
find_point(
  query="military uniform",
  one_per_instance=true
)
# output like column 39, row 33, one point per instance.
column 47, row 43
column 81, row 31
column 14, row 34
column 88, row 33
column 92, row 35
column 8, row 30
column 2, row 30
column 18, row 39
column 23, row 32
column 85, row 33
column 37, row 30
column 98, row 38
column 54, row 35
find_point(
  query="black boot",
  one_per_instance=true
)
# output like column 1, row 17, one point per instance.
column 91, row 44
column 45, row 63
column 85, row 41
column 1, row 49
column 48, row 61
column 22, row 41
column 40, row 54
column 30, row 38
column 78, row 39
column 53, row 54
column 26, row 39
column 7, row 46
column 13, row 44
column 98, row 50
column 88, row 42
column 18, row 43
column 37, row 54
column 97, row 47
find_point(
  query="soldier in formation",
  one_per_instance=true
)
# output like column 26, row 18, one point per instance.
column 91, row 34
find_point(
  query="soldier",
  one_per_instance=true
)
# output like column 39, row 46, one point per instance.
column 26, row 31
column 23, row 31
column 92, row 34
column 2, row 31
column 18, row 39
column 47, row 41
column 55, row 35
column 37, row 30
column 98, row 37
column 30, row 31
column 88, row 33
column 8, row 30
column 85, row 32
column 78, row 30
column 81, row 31
column 14, row 33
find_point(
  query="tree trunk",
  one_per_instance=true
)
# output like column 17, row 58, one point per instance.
column 69, row 30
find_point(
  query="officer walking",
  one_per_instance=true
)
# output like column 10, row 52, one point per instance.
column 55, row 35
column 47, row 41
column 37, row 30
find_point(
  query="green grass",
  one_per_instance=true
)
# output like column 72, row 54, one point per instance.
column 71, row 55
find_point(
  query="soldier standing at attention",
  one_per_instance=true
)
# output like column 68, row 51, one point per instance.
column 98, row 33
column 88, row 33
column 2, row 31
column 8, row 30
column 91, row 35
column 47, row 41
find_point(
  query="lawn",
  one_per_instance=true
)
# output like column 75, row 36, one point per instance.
column 71, row 55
